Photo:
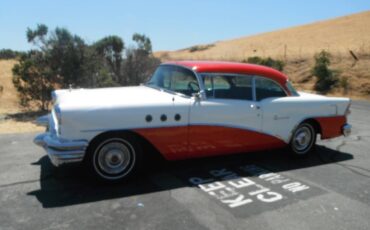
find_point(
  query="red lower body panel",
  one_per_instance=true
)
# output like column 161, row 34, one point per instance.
column 331, row 126
column 184, row 142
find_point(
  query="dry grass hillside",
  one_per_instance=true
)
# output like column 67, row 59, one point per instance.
column 8, row 94
column 296, row 46
column 13, row 118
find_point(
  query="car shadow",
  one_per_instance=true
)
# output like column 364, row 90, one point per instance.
column 69, row 185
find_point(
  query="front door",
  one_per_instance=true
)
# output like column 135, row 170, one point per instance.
column 228, row 120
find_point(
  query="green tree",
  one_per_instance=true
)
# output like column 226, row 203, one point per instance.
column 62, row 59
column 58, row 61
column 139, row 63
column 110, row 49
column 326, row 78
column 34, row 80
column 143, row 43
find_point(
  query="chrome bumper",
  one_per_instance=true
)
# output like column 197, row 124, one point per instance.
column 346, row 130
column 61, row 151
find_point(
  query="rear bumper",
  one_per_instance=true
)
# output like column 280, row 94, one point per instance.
column 61, row 151
column 346, row 130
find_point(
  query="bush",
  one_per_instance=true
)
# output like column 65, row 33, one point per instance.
column 273, row 63
column 326, row 78
column 9, row 54
column 344, row 83
column 200, row 48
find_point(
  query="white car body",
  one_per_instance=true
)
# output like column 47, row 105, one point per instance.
column 80, row 115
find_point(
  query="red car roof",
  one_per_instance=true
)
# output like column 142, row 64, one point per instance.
column 233, row 67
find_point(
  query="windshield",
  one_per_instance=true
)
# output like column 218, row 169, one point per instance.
column 291, row 89
column 174, row 78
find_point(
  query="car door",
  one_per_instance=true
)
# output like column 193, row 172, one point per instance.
column 166, row 125
column 228, row 120
column 276, row 111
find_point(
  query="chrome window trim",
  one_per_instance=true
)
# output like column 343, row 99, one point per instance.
column 254, row 95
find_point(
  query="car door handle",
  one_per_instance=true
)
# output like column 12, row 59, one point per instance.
column 253, row 106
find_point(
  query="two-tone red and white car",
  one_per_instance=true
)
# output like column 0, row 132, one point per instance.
column 188, row 109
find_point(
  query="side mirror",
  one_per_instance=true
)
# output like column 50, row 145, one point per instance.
column 199, row 95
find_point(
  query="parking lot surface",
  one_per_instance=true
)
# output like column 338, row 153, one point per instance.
column 266, row 190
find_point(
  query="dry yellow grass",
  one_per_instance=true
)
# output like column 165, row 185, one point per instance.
column 13, row 126
column 9, row 104
column 8, row 94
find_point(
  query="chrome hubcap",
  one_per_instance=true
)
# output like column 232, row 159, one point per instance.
column 302, row 138
column 114, row 158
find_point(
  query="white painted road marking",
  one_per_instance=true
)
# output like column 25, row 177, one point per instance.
column 235, row 190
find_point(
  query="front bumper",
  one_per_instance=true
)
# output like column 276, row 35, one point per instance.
column 61, row 151
column 346, row 130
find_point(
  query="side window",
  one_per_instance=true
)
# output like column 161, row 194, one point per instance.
column 228, row 86
column 176, row 79
column 266, row 88
column 184, row 82
column 215, row 85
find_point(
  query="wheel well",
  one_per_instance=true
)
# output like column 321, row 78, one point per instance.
column 314, row 123
column 146, row 146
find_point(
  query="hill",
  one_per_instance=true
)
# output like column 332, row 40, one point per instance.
column 337, row 36
column 346, row 38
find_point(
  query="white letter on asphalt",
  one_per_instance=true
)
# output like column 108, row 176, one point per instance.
column 237, row 202
column 211, row 187
column 274, row 196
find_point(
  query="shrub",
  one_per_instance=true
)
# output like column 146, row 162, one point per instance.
column 344, row 83
column 326, row 78
column 200, row 48
column 273, row 63
column 9, row 54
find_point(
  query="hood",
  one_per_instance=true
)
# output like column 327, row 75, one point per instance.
column 118, row 97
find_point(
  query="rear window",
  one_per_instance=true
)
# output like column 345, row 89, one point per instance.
column 266, row 88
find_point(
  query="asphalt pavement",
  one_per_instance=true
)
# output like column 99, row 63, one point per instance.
column 266, row 190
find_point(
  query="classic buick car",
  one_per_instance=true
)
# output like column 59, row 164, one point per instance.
column 187, row 109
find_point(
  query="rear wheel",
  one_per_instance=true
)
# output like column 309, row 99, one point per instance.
column 303, row 139
column 114, row 158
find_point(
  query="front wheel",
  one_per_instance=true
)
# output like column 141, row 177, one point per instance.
column 303, row 140
column 113, row 158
